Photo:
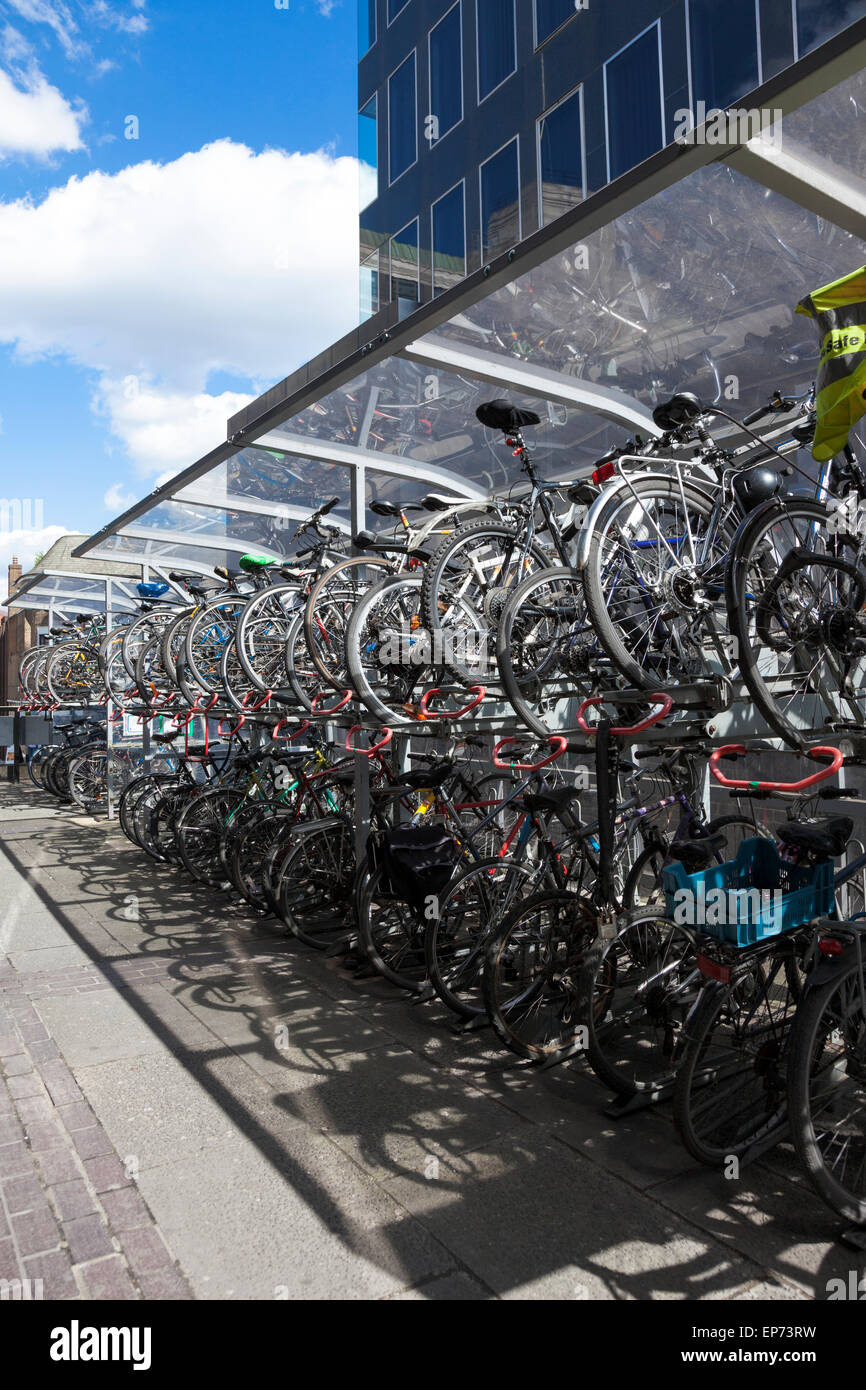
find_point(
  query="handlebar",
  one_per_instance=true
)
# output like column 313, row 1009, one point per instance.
column 367, row 752
column 424, row 711
column 665, row 701
column 556, row 741
column 831, row 768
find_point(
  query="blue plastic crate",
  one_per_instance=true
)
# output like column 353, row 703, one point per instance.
column 749, row 916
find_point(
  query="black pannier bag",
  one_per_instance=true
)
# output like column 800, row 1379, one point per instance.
column 418, row 861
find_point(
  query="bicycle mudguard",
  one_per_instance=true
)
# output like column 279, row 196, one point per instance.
column 621, row 484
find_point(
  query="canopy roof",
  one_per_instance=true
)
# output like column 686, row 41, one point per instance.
column 64, row 585
column 682, row 274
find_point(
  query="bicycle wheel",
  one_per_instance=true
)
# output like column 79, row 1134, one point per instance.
column 261, row 633
column 730, row 1093
column 455, row 941
column 390, row 661
column 467, row 581
column 250, row 850
column 198, row 833
column 547, row 650
column 635, row 992
column 531, row 973
column 88, row 778
column 317, row 883
column 328, row 610
column 827, row 1091
column 211, row 627
column 796, row 596
column 389, row 933
column 653, row 586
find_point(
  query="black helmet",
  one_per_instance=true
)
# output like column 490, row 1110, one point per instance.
column 756, row 485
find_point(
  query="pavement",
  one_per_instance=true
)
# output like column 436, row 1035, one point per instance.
column 194, row 1105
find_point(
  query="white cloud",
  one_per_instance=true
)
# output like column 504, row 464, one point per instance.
column 35, row 119
column 25, row 544
column 221, row 261
column 58, row 17
column 164, row 430
column 116, row 500
column 113, row 18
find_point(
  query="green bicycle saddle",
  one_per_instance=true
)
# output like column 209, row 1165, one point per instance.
column 252, row 563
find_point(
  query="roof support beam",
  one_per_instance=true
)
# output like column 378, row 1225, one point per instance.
column 303, row 446
column 499, row 370
column 821, row 188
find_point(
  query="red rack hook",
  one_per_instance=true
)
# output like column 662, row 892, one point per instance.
column 665, row 701
column 556, row 741
column 424, row 712
column 231, row 732
column 367, row 752
column 335, row 709
column 198, row 708
column 263, row 701
column 834, row 754
column 302, row 729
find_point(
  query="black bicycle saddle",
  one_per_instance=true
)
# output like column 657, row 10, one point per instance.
column 502, row 415
column 826, row 837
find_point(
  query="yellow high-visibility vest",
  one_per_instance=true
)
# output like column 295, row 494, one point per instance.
column 839, row 310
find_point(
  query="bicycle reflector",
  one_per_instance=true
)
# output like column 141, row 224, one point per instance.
column 601, row 475
column 831, row 946
column 713, row 970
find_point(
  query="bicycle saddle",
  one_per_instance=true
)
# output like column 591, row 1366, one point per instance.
column 502, row 415
column 681, row 409
column 824, row 836
column 152, row 590
column 167, row 738
column 254, row 564
column 552, row 799
column 695, row 855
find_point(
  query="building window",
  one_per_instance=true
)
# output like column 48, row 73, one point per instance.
column 404, row 264
column 633, row 102
column 448, row 239
column 368, row 152
column 370, row 285
column 394, row 8
column 446, row 74
column 497, row 43
column 549, row 15
column 819, row 20
column 723, row 45
column 560, row 157
column 402, row 124
column 500, row 200
column 366, row 25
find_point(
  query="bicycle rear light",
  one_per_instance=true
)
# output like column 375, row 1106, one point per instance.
column 601, row 475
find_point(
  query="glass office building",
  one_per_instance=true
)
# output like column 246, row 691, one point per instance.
column 481, row 121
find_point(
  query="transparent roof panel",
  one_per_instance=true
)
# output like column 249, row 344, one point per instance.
column 188, row 523
column 168, row 554
column 694, row 289
column 426, row 414
column 296, row 482
column 814, row 130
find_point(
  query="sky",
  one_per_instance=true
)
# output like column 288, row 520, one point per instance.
column 178, row 231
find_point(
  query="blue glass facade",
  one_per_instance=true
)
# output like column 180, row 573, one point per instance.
column 502, row 114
